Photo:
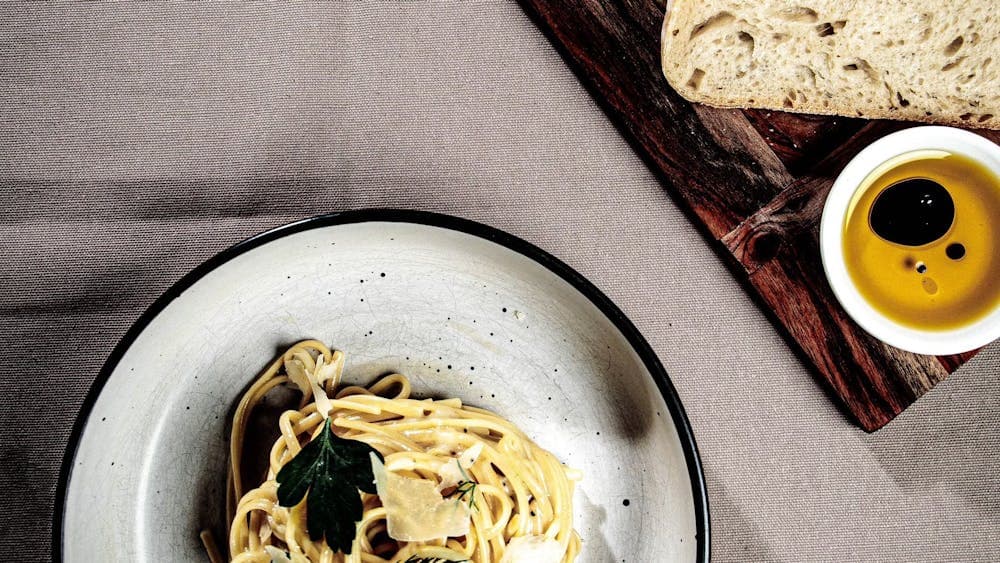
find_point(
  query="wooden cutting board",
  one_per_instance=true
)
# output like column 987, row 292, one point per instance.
column 756, row 182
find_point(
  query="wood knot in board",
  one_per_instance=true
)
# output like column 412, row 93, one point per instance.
column 764, row 247
column 794, row 213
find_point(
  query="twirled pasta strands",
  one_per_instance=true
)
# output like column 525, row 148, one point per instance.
column 520, row 489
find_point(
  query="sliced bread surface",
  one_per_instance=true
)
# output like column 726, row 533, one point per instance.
column 935, row 62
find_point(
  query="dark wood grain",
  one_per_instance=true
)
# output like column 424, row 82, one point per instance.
column 756, row 180
column 614, row 47
column 990, row 134
column 953, row 362
column 801, row 140
column 799, row 206
column 861, row 370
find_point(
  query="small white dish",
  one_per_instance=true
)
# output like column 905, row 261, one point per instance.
column 934, row 342
column 463, row 309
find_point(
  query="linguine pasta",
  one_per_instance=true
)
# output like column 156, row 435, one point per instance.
column 511, row 498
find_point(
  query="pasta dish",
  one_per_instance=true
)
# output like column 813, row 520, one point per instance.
column 371, row 475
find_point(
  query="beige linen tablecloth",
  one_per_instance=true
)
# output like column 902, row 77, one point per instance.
column 137, row 141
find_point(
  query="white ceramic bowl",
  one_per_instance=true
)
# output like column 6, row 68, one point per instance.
column 957, row 141
column 465, row 310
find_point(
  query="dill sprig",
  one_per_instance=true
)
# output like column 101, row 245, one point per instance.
column 466, row 488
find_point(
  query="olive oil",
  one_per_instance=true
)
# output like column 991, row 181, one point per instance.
column 922, row 240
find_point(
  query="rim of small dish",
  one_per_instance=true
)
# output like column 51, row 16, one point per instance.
column 935, row 342
column 426, row 218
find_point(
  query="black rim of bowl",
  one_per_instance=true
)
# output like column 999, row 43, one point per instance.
column 550, row 262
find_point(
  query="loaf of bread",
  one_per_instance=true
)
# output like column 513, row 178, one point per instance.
column 898, row 59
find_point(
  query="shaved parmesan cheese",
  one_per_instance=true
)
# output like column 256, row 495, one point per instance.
column 323, row 404
column 415, row 510
column 329, row 371
column 279, row 556
column 297, row 373
column 311, row 384
column 451, row 472
column 532, row 549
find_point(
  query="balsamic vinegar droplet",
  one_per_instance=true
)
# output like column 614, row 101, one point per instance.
column 955, row 251
column 912, row 212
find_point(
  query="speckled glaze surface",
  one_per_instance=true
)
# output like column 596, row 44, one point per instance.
column 462, row 309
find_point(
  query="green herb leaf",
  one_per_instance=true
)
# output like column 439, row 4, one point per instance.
column 418, row 559
column 331, row 470
column 466, row 488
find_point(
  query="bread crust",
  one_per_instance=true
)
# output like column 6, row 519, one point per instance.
column 678, row 78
